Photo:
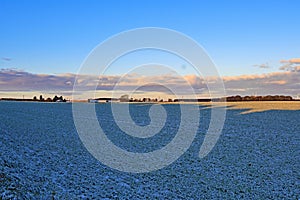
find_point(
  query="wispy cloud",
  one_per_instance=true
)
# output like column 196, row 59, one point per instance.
column 6, row 59
column 290, row 65
column 263, row 66
column 292, row 61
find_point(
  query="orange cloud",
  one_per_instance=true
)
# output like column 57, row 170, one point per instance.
column 289, row 65
column 292, row 61
column 280, row 82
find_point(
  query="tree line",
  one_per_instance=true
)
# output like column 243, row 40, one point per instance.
column 55, row 99
column 260, row 98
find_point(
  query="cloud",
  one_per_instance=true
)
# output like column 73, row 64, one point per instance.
column 277, row 82
column 292, row 61
column 6, row 59
column 270, row 83
column 290, row 65
column 17, row 80
column 263, row 66
column 283, row 82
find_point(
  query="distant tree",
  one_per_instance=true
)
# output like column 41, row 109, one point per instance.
column 55, row 98
column 41, row 98
column 48, row 99
column 34, row 98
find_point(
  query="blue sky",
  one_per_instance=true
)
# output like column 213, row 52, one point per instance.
column 54, row 37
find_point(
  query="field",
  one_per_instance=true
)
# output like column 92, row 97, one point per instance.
column 256, row 157
column 259, row 106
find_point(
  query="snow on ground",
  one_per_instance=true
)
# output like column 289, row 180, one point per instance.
column 42, row 157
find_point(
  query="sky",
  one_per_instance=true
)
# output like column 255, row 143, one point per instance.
column 250, row 42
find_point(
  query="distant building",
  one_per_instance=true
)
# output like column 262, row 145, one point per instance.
column 124, row 98
column 103, row 100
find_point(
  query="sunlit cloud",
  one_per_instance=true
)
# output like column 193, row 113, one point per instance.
column 263, row 66
column 290, row 65
column 293, row 60
column 12, row 80
column 279, row 82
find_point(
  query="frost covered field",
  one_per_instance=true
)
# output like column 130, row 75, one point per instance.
column 41, row 156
